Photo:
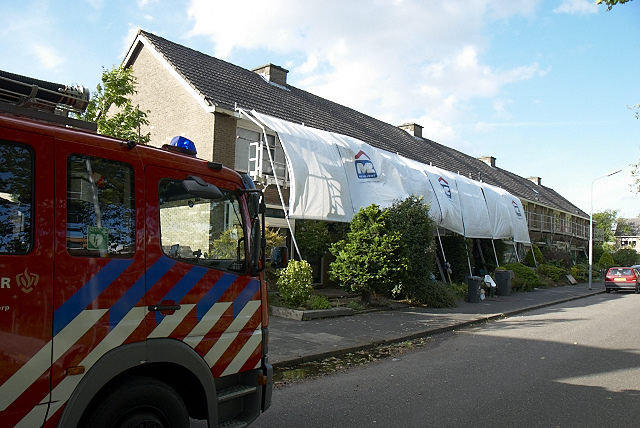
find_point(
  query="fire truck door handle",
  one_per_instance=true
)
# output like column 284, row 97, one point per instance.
column 163, row 308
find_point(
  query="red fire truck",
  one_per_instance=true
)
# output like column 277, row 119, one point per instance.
column 131, row 292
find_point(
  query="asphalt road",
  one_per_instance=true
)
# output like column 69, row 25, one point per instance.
column 571, row 365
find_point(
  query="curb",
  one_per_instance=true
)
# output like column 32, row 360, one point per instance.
column 426, row 333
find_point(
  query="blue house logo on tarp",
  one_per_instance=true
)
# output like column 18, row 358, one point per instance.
column 445, row 187
column 516, row 208
column 364, row 166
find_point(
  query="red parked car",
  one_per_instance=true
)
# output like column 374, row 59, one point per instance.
column 622, row 278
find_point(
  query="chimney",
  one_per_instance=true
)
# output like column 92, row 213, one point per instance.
column 537, row 180
column 273, row 73
column 412, row 128
column 489, row 160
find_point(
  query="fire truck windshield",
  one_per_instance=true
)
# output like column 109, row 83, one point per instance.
column 201, row 231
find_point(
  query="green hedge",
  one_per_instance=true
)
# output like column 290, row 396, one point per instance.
column 525, row 279
column 555, row 273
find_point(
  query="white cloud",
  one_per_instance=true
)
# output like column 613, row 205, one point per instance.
column 47, row 56
column 394, row 61
column 128, row 39
column 577, row 6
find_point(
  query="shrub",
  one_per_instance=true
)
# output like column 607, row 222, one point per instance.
column 435, row 294
column 524, row 279
column 626, row 257
column 556, row 257
column 606, row 260
column 581, row 272
column 554, row 273
column 274, row 238
column 318, row 301
column 369, row 259
column 528, row 259
column 313, row 238
column 294, row 282
column 356, row 306
column 459, row 290
column 410, row 218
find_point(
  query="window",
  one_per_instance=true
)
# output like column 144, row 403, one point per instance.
column 201, row 231
column 100, row 207
column 16, row 198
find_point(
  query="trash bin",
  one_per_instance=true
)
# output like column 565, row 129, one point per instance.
column 504, row 281
column 474, row 285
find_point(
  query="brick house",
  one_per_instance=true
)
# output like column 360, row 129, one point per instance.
column 195, row 95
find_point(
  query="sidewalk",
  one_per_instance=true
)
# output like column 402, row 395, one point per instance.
column 294, row 342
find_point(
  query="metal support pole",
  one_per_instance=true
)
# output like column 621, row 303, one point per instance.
column 591, row 227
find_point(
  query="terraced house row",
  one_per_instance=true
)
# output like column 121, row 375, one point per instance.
column 203, row 98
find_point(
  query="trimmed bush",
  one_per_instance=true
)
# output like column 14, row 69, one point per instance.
column 294, row 282
column 434, row 294
column 581, row 272
column 525, row 279
column 318, row 301
column 606, row 260
column 554, row 273
column 528, row 259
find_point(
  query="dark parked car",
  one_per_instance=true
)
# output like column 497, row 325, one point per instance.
column 622, row 278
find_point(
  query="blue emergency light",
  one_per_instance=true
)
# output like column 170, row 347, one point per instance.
column 184, row 143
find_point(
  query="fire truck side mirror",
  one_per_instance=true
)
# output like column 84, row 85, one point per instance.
column 279, row 257
column 196, row 186
column 255, row 207
column 256, row 248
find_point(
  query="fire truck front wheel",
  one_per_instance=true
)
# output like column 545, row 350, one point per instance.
column 140, row 402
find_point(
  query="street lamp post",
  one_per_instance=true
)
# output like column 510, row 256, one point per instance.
column 591, row 227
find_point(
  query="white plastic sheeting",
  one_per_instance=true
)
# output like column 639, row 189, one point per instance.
column 332, row 176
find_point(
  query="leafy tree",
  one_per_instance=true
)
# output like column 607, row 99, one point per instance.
column 626, row 257
column 313, row 238
column 623, row 228
column 370, row 258
column 611, row 3
column 110, row 106
column 410, row 218
column 606, row 221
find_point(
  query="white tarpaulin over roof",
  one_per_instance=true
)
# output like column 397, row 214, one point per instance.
column 332, row 176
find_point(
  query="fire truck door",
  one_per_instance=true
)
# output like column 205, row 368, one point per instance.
column 99, row 264
column 198, row 288
column 26, row 275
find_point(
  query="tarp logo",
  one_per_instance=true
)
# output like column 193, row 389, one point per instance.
column 516, row 208
column 445, row 187
column 364, row 166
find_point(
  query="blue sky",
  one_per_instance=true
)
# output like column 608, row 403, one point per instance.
column 543, row 86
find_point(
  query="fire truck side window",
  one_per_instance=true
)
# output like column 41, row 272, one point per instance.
column 16, row 198
column 100, row 207
column 201, row 231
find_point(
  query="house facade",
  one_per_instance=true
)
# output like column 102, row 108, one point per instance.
column 202, row 98
column 627, row 234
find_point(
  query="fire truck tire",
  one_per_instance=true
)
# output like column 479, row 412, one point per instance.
column 140, row 402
